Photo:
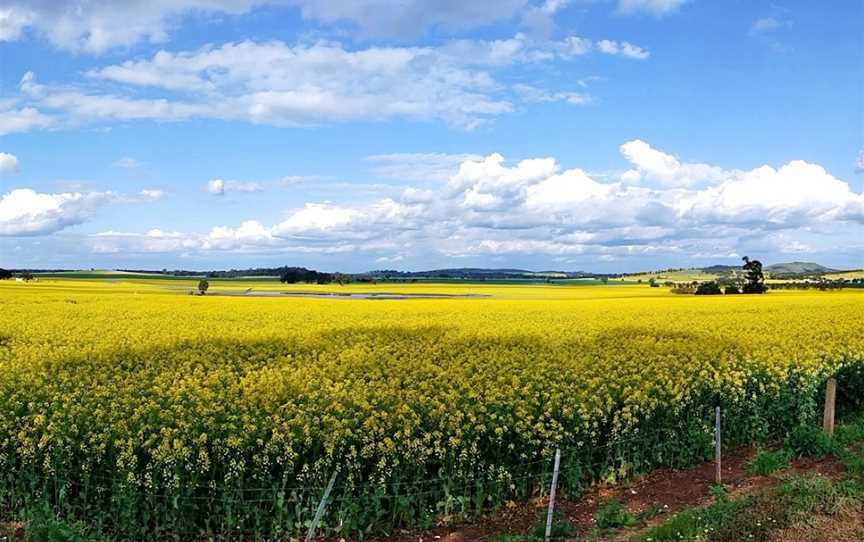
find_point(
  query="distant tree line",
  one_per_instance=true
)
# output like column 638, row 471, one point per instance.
column 6, row 274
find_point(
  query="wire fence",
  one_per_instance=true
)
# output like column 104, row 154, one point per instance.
column 142, row 505
column 234, row 508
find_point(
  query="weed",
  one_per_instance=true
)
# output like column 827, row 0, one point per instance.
column 809, row 441
column 768, row 462
column 612, row 515
column 561, row 529
column 44, row 526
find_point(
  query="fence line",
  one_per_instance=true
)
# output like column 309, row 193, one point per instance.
column 585, row 459
column 583, row 448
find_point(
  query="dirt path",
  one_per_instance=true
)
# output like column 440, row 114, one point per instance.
column 666, row 490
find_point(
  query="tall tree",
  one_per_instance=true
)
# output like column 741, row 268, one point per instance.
column 754, row 276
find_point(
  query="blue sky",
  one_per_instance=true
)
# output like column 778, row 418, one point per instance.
column 354, row 135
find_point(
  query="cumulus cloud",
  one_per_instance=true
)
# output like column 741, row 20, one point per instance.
column 8, row 163
column 25, row 212
column 657, row 8
column 653, row 165
column 219, row 187
column 535, row 206
column 309, row 83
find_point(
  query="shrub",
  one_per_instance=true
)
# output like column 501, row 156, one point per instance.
column 612, row 515
column 732, row 289
column 708, row 288
column 809, row 441
column 755, row 288
column 767, row 462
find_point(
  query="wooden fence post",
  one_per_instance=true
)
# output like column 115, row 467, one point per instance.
column 552, row 494
column 830, row 400
column 717, row 448
column 310, row 534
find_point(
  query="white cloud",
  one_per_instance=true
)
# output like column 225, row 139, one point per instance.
column 796, row 194
column 8, row 163
column 25, row 212
column 151, row 194
column 660, row 167
column 219, row 187
column 622, row 48
column 859, row 163
column 537, row 207
column 306, row 84
column 128, row 163
column 657, row 8
column 410, row 17
column 94, row 26
column 250, row 232
column 764, row 24
column 419, row 166
column 533, row 94
column 23, row 119
column 317, row 218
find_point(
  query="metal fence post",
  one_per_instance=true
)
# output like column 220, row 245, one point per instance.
column 552, row 494
column 717, row 448
column 310, row 535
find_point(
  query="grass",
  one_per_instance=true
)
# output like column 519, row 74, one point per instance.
column 795, row 498
column 612, row 515
column 768, row 462
column 561, row 530
column 808, row 441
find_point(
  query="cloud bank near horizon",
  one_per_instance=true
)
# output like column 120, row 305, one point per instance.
column 487, row 207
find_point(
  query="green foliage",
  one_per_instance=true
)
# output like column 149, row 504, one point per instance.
column 612, row 515
column 708, row 288
column 515, row 538
column 795, row 498
column 769, row 462
column 850, row 399
column 203, row 285
column 732, row 289
column 561, row 529
column 809, row 441
column 718, row 491
column 755, row 277
column 755, row 518
column 44, row 526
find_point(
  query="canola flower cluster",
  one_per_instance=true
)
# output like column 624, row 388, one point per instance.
column 152, row 414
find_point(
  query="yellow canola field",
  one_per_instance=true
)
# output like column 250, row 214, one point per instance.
column 179, row 404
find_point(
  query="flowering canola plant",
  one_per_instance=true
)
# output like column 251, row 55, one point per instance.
column 154, row 414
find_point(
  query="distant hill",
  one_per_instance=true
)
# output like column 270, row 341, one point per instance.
column 479, row 273
column 797, row 269
column 788, row 270
column 720, row 269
